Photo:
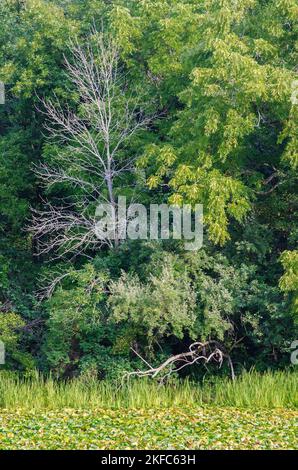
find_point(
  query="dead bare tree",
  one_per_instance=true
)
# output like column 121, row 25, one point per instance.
column 207, row 352
column 91, row 147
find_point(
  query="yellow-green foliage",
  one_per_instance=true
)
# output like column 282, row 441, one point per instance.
column 43, row 26
column 10, row 325
column 230, row 82
column 174, row 428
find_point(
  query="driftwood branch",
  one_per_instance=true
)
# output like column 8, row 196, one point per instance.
column 207, row 352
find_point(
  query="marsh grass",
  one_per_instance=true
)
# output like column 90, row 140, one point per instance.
column 250, row 390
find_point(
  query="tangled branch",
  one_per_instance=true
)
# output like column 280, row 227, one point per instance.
column 210, row 351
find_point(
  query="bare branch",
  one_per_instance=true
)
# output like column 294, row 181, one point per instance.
column 92, row 142
column 207, row 352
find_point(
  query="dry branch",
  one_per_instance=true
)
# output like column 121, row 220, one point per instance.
column 210, row 351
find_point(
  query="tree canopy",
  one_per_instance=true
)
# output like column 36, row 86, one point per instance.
column 215, row 83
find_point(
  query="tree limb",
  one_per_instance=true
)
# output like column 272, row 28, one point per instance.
column 209, row 351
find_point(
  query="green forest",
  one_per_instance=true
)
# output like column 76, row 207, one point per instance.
column 165, row 102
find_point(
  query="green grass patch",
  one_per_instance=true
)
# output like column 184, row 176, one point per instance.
column 174, row 428
column 250, row 390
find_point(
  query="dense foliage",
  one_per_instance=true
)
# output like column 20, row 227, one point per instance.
column 219, row 78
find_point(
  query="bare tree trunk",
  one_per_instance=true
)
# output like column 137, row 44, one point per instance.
column 109, row 180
